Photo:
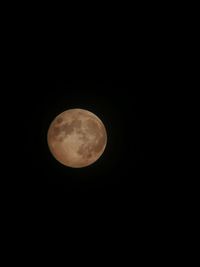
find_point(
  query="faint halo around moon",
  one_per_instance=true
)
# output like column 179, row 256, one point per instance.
column 77, row 138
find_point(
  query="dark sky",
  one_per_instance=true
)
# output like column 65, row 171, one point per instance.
column 118, row 174
column 116, row 103
column 117, row 73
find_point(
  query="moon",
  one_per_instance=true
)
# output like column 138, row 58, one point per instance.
column 76, row 138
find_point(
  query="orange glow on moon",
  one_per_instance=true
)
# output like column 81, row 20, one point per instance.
column 77, row 138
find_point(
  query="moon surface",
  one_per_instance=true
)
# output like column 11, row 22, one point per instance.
column 77, row 138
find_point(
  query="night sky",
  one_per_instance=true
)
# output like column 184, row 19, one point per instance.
column 118, row 174
column 121, row 73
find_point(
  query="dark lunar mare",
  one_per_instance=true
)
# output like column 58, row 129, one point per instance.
column 67, row 128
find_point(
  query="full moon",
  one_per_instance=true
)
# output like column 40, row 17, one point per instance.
column 76, row 138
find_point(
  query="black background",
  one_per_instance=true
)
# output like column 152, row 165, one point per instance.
column 121, row 73
column 117, row 104
column 112, row 81
column 117, row 176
